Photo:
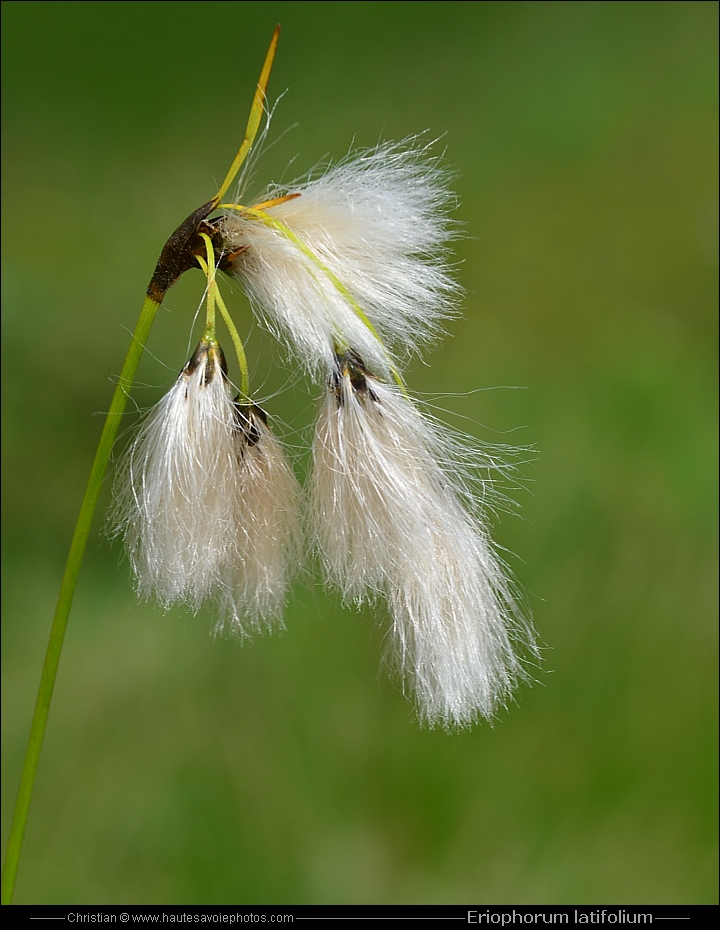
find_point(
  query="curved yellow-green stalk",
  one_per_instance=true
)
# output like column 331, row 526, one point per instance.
column 256, row 112
column 177, row 256
column 216, row 298
column 67, row 590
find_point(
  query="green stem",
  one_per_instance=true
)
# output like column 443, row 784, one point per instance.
column 239, row 349
column 214, row 296
column 67, row 590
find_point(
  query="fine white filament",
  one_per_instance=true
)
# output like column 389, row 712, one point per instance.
column 208, row 502
column 369, row 234
column 391, row 516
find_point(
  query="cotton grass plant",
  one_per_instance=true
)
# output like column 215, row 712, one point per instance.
column 206, row 498
column 349, row 269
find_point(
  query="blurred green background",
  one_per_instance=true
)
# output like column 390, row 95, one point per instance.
column 182, row 769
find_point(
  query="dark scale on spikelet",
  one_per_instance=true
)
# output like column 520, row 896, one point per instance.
column 247, row 418
column 213, row 356
column 349, row 363
column 215, row 360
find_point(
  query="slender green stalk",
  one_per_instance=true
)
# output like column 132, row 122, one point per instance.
column 214, row 296
column 67, row 590
column 239, row 349
column 177, row 257
column 256, row 112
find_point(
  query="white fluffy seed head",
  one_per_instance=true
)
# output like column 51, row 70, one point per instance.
column 265, row 505
column 374, row 230
column 391, row 515
column 193, row 499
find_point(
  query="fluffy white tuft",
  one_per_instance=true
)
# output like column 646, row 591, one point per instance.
column 265, row 507
column 375, row 224
column 208, row 502
column 391, row 516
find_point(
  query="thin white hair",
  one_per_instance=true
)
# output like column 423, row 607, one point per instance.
column 374, row 230
column 392, row 512
column 208, row 502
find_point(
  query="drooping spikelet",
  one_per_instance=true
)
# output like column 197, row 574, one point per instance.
column 392, row 516
column 208, row 502
column 265, row 507
column 364, row 242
